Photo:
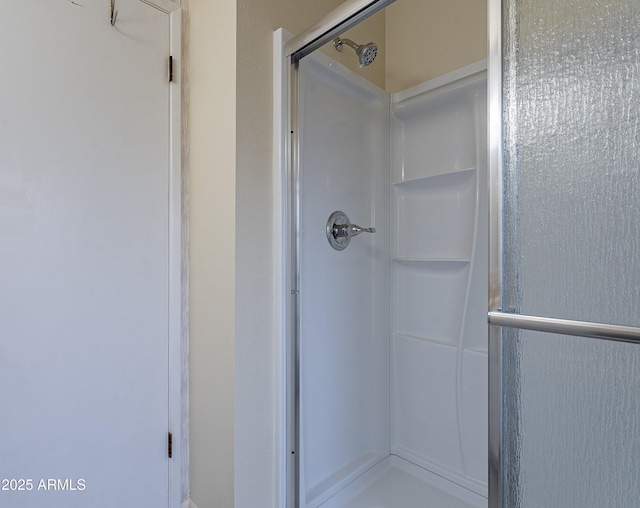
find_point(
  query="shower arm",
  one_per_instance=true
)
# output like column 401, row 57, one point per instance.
column 338, row 42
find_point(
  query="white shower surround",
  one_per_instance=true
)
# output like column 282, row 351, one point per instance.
column 439, row 263
column 344, row 295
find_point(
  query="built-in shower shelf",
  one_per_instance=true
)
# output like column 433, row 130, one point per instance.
column 431, row 261
column 434, row 216
column 437, row 179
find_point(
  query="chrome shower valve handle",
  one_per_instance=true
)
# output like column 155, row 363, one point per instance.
column 340, row 230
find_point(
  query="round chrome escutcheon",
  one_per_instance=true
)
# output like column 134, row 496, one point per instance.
column 337, row 219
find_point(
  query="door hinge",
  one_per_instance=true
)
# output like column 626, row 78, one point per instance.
column 170, row 69
column 170, row 445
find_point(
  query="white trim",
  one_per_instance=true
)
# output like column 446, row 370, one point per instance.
column 188, row 504
column 166, row 6
column 181, row 81
column 178, row 328
column 177, row 404
column 178, row 297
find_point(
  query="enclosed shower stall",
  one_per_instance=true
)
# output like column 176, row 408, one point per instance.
column 389, row 256
column 410, row 215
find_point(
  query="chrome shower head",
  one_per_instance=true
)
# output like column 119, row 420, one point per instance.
column 366, row 52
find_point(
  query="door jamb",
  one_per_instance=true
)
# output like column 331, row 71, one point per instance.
column 178, row 273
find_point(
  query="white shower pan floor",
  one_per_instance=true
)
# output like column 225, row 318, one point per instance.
column 397, row 483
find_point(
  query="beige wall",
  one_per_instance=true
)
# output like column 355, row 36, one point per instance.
column 428, row 38
column 212, row 239
column 233, row 346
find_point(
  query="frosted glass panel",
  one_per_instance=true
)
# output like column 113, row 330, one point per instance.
column 571, row 422
column 572, row 188
column 571, row 417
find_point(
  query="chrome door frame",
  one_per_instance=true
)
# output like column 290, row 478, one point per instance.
column 494, row 100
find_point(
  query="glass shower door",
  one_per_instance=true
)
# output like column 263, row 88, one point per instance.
column 569, row 431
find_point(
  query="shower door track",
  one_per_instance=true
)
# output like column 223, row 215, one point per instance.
column 338, row 21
